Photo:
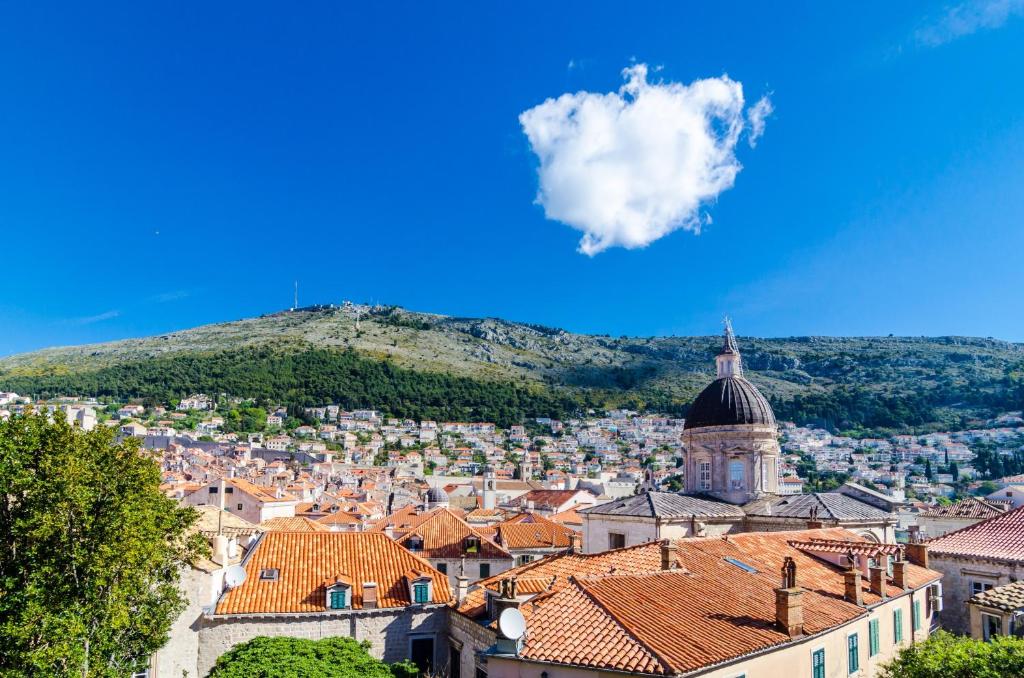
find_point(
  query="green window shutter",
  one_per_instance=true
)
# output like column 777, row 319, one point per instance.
column 338, row 600
column 818, row 663
column 420, row 592
column 873, row 637
column 897, row 626
column 915, row 615
column 853, row 660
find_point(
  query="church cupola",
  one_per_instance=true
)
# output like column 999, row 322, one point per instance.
column 728, row 359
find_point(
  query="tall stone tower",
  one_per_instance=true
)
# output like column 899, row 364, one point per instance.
column 730, row 436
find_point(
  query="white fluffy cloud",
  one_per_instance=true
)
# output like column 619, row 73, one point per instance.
column 629, row 167
column 966, row 18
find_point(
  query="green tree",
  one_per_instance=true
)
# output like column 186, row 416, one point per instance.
column 90, row 554
column 303, row 658
column 944, row 655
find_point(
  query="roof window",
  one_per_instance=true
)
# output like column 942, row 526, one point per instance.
column 743, row 566
column 270, row 574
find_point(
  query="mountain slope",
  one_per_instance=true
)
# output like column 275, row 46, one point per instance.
column 892, row 382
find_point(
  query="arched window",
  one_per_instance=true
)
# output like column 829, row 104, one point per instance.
column 736, row 473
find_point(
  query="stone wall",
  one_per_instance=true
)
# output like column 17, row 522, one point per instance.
column 957, row 575
column 389, row 631
column 473, row 638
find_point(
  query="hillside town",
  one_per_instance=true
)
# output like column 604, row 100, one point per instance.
column 420, row 536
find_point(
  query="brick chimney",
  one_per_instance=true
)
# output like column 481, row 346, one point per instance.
column 668, row 554
column 851, row 581
column 878, row 581
column 899, row 573
column 789, row 606
column 917, row 553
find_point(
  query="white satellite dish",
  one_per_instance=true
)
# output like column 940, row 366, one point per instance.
column 512, row 624
column 234, row 576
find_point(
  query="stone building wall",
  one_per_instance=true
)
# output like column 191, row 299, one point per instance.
column 472, row 639
column 958, row 573
column 388, row 630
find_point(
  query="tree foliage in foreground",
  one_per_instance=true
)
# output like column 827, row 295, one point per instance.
column 944, row 655
column 284, row 657
column 89, row 554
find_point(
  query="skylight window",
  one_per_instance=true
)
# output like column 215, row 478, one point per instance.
column 743, row 566
column 269, row 574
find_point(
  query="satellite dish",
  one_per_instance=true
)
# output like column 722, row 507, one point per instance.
column 234, row 576
column 512, row 624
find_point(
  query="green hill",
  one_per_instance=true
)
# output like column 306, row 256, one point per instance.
column 430, row 366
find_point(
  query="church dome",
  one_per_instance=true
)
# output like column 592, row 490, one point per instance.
column 728, row 401
column 437, row 495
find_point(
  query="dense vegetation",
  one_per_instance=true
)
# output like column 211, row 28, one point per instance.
column 423, row 365
column 311, row 377
column 947, row 656
column 90, row 552
column 304, row 658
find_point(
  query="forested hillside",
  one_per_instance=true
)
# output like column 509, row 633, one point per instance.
column 429, row 366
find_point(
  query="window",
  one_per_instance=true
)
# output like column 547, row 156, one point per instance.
column 229, row 490
column 979, row 587
column 897, row 626
column 616, row 540
column 472, row 545
column 454, row 660
column 991, row 625
column 442, row 568
column 213, row 490
column 818, row 663
column 736, row 472
column 915, row 616
column 523, row 560
column 704, row 475
column 873, row 648
column 269, row 574
column 421, row 593
column 485, row 570
column 853, row 654
column 239, row 507
column 339, row 599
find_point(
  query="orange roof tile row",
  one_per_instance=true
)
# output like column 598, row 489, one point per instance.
column 305, row 560
column 619, row 611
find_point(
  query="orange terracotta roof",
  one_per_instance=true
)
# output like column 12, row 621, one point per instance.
column 998, row 538
column 265, row 494
column 444, row 535
column 707, row 611
column 569, row 517
column 297, row 524
column 339, row 518
column 529, row 530
column 305, row 560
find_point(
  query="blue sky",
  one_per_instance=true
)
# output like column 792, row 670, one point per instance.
column 168, row 166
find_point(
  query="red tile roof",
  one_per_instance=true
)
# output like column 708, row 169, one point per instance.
column 627, row 614
column 306, row 560
column 998, row 538
column 529, row 530
column 444, row 535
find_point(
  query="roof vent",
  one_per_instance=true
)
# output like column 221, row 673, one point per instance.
column 270, row 574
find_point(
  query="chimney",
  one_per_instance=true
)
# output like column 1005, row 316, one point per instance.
column 507, row 597
column 668, row 554
column 389, row 531
column 369, row 595
column 789, row 606
column 461, row 588
column 576, row 543
column 899, row 573
column 852, row 592
column 878, row 581
column 917, row 553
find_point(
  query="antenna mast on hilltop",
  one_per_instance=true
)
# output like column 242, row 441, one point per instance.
column 296, row 295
